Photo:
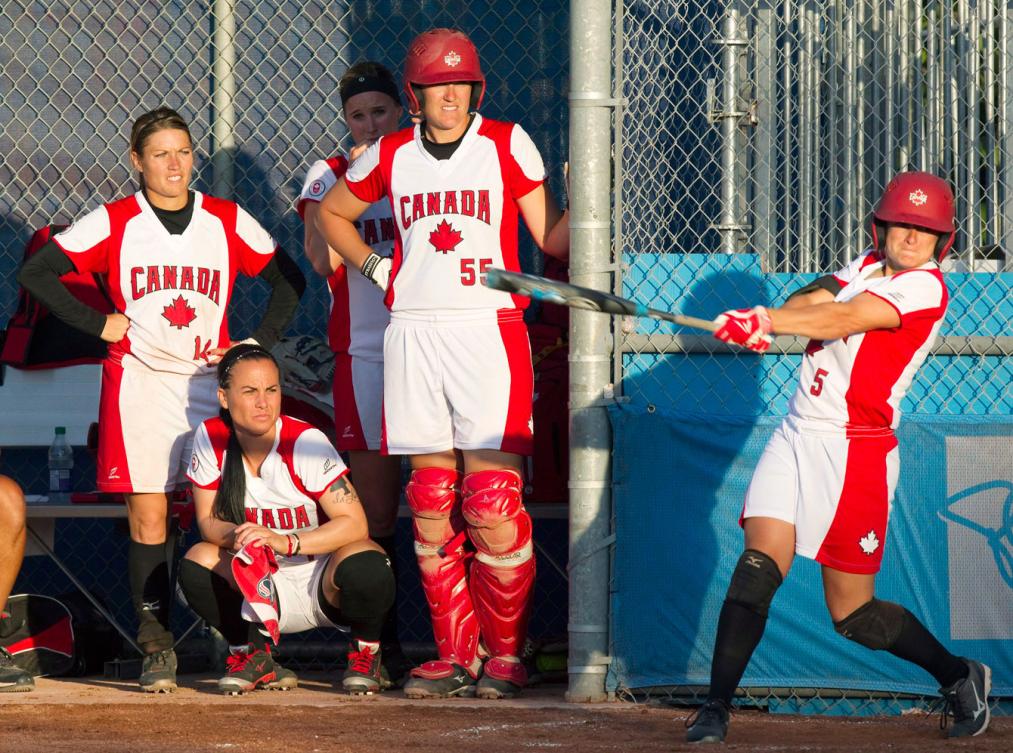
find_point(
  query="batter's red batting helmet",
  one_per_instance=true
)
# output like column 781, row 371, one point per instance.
column 916, row 198
column 442, row 56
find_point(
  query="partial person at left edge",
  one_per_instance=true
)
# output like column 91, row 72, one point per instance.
column 13, row 679
column 169, row 256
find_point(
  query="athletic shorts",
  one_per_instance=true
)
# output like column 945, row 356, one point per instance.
column 461, row 380
column 146, row 424
column 358, row 402
column 836, row 491
column 298, row 588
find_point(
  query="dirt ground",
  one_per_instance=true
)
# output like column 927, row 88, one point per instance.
column 92, row 715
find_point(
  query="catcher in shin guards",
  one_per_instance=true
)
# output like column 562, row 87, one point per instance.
column 286, row 545
column 457, row 361
column 825, row 482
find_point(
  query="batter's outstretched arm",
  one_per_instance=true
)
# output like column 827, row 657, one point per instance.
column 548, row 225
column 831, row 321
column 339, row 210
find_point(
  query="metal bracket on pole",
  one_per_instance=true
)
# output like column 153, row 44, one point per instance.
column 594, row 99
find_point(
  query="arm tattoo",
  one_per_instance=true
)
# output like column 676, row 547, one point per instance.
column 343, row 491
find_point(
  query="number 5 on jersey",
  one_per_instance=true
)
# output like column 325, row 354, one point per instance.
column 468, row 270
column 817, row 386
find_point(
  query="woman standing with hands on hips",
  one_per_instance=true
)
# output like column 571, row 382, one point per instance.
column 169, row 256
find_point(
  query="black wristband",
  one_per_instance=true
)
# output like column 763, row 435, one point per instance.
column 370, row 264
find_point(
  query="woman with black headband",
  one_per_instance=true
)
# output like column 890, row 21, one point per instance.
column 358, row 318
column 261, row 478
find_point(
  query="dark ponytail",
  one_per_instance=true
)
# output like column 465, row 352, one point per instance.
column 230, row 501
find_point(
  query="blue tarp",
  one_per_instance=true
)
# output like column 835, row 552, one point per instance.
column 679, row 484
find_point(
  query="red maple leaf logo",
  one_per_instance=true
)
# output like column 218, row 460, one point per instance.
column 179, row 313
column 444, row 237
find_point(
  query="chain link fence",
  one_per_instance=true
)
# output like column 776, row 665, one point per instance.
column 258, row 83
column 753, row 140
column 770, row 129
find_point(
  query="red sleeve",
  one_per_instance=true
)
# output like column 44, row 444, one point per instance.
column 370, row 188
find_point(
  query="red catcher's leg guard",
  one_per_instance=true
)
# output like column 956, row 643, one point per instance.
column 503, row 572
column 439, row 549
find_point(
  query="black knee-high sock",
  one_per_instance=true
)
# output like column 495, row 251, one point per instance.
column 916, row 644
column 388, row 634
column 149, row 591
column 214, row 599
column 365, row 584
column 739, row 633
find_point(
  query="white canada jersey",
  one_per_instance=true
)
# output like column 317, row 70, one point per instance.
column 855, row 384
column 454, row 218
column 174, row 289
column 297, row 471
column 358, row 315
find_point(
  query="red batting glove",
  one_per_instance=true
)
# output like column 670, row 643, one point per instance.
column 749, row 328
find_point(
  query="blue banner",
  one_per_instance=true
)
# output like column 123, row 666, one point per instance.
column 679, row 483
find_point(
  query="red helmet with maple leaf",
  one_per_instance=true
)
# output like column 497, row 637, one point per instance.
column 442, row 56
column 916, row 198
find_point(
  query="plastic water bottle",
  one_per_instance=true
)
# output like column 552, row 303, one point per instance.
column 61, row 460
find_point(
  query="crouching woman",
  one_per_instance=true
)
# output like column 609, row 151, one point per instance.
column 271, row 492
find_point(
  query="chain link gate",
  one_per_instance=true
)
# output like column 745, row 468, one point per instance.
column 752, row 142
column 257, row 81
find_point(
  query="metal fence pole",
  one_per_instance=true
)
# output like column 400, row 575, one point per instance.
column 591, row 103
column 732, row 43
column 223, row 128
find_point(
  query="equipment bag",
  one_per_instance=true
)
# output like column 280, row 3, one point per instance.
column 34, row 339
column 58, row 636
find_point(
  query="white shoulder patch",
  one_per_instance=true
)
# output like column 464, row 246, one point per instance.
column 913, row 291
column 86, row 232
column 319, row 180
column 253, row 233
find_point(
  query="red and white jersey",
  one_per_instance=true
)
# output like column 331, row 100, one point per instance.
column 454, row 218
column 300, row 467
column 358, row 315
column 856, row 383
column 175, row 289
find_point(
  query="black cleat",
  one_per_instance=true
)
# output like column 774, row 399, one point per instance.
column 967, row 701
column 501, row 678
column 158, row 672
column 439, row 679
column 284, row 679
column 13, row 679
column 364, row 675
column 709, row 724
column 247, row 669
